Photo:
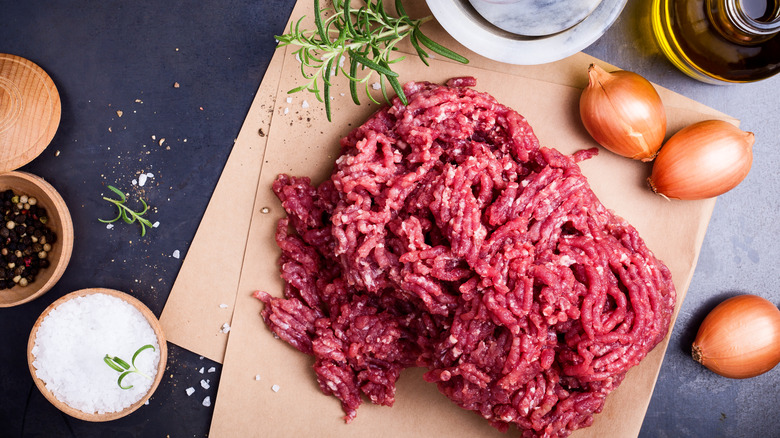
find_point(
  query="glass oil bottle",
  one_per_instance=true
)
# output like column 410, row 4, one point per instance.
column 720, row 41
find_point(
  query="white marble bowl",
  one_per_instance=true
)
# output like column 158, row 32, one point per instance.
column 462, row 20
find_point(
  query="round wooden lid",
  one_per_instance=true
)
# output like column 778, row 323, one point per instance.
column 30, row 111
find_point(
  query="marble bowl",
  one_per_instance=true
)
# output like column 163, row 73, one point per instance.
column 461, row 19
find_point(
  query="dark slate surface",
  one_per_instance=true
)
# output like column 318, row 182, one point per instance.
column 104, row 56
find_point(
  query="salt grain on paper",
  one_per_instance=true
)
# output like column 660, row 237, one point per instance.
column 225, row 328
column 305, row 104
column 275, row 388
column 207, row 401
column 257, row 377
column 289, row 100
column 190, row 391
column 223, row 306
column 376, row 86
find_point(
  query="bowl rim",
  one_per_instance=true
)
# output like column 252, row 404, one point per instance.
column 65, row 238
column 95, row 417
column 464, row 24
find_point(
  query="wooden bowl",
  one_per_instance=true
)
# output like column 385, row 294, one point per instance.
column 94, row 417
column 59, row 221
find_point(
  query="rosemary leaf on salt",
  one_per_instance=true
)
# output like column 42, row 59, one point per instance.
column 124, row 368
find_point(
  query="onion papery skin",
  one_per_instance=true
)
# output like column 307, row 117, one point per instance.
column 739, row 338
column 702, row 161
column 623, row 112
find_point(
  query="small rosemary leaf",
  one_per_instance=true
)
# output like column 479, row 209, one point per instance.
column 146, row 207
column 109, row 362
column 353, row 78
column 143, row 229
column 381, row 9
column 118, row 192
column 374, row 66
column 368, row 92
column 347, row 17
column 112, row 220
column 297, row 89
column 420, row 52
column 145, row 347
column 326, row 88
column 383, row 88
column 438, row 48
column 127, row 218
column 318, row 20
column 399, row 8
column 398, row 89
column 122, row 377
column 121, row 363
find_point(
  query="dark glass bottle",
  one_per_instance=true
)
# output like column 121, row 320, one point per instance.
column 720, row 41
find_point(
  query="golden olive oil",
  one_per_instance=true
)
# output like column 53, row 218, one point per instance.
column 719, row 41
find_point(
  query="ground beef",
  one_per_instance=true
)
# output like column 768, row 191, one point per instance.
column 447, row 238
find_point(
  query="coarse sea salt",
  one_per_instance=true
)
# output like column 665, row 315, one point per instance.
column 72, row 341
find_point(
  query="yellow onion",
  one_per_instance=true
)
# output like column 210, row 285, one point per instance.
column 623, row 112
column 740, row 338
column 703, row 160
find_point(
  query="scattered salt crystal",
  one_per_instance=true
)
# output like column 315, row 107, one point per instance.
column 190, row 391
column 376, row 86
column 109, row 226
column 201, row 370
column 207, row 401
column 289, row 100
column 225, row 328
column 205, row 384
column 142, row 179
column 275, row 388
column 286, row 110
column 257, row 376
column 135, row 182
column 223, row 306
column 342, row 94
column 70, row 345
column 156, row 224
column 212, row 369
column 305, row 104
column 146, row 403
column 176, row 254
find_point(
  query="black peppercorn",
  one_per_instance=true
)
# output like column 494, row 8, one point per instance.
column 25, row 240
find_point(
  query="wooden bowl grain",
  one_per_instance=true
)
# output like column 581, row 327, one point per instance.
column 60, row 222
column 95, row 417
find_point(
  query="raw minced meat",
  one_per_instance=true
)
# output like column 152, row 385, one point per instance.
column 448, row 238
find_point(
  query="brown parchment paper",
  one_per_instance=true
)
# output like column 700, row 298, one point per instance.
column 299, row 141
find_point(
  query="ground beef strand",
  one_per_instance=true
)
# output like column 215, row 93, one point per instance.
column 448, row 238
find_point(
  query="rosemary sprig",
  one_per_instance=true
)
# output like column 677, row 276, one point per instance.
column 365, row 36
column 125, row 368
column 127, row 214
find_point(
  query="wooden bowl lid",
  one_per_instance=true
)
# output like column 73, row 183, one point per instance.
column 30, row 110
